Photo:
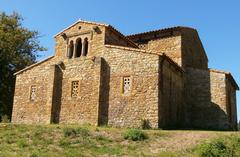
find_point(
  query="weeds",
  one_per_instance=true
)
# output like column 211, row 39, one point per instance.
column 145, row 124
column 220, row 147
column 22, row 143
column 5, row 119
column 72, row 132
column 135, row 135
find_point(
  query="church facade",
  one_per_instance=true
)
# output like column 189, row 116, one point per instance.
column 99, row 76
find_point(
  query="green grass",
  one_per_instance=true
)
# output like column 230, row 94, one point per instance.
column 85, row 140
column 135, row 135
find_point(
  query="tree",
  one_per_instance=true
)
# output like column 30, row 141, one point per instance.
column 239, row 125
column 18, row 49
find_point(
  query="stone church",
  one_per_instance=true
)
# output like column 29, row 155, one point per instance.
column 99, row 76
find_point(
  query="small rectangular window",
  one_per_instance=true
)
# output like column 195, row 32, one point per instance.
column 75, row 89
column 126, row 85
column 33, row 93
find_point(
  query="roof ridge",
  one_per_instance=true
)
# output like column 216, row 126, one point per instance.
column 84, row 21
column 124, row 36
column 158, row 30
column 101, row 24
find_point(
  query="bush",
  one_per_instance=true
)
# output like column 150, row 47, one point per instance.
column 216, row 148
column 22, row 143
column 64, row 142
column 102, row 138
column 135, row 135
column 5, row 119
column 145, row 124
column 83, row 132
column 71, row 132
column 33, row 155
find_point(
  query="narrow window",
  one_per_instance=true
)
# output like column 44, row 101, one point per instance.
column 79, row 47
column 126, row 85
column 70, row 50
column 85, row 47
column 33, row 93
column 75, row 89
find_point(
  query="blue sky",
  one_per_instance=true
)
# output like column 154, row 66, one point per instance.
column 217, row 21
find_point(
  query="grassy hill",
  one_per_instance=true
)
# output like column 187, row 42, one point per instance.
column 86, row 140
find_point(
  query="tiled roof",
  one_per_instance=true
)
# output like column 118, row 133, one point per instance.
column 100, row 24
column 95, row 23
column 158, row 30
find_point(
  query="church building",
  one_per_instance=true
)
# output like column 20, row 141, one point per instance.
column 99, row 76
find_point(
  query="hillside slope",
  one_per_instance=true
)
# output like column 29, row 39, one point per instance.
column 86, row 140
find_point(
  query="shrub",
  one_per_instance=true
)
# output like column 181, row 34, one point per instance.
column 33, row 155
column 102, row 138
column 82, row 132
column 64, row 142
column 234, row 144
column 71, row 132
column 145, row 124
column 22, row 143
column 135, row 135
column 5, row 119
column 216, row 148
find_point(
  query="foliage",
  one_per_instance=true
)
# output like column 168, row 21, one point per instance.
column 145, row 124
column 22, row 143
column 5, row 119
column 18, row 49
column 220, row 147
column 33, row 155
column 102, row 138
column 238, row 125
column 135, row 135
column 73, row 132
column 69, row 132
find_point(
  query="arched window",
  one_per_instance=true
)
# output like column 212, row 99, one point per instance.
column 85, row 50
column 70, row 50
column 79, row 47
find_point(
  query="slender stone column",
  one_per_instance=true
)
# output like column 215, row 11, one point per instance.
column 68, row 52
column 83, row 48
column 74, row 50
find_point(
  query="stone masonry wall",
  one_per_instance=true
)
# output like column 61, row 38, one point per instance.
column 206, row 99
column 193, row 53
column 171, row 46
column 171, row 90
column 231, row 104
column 142, row 103
column 39, row 110
column 95, row 38
column 83, row 108
column 113, row 38
column 168, row 42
